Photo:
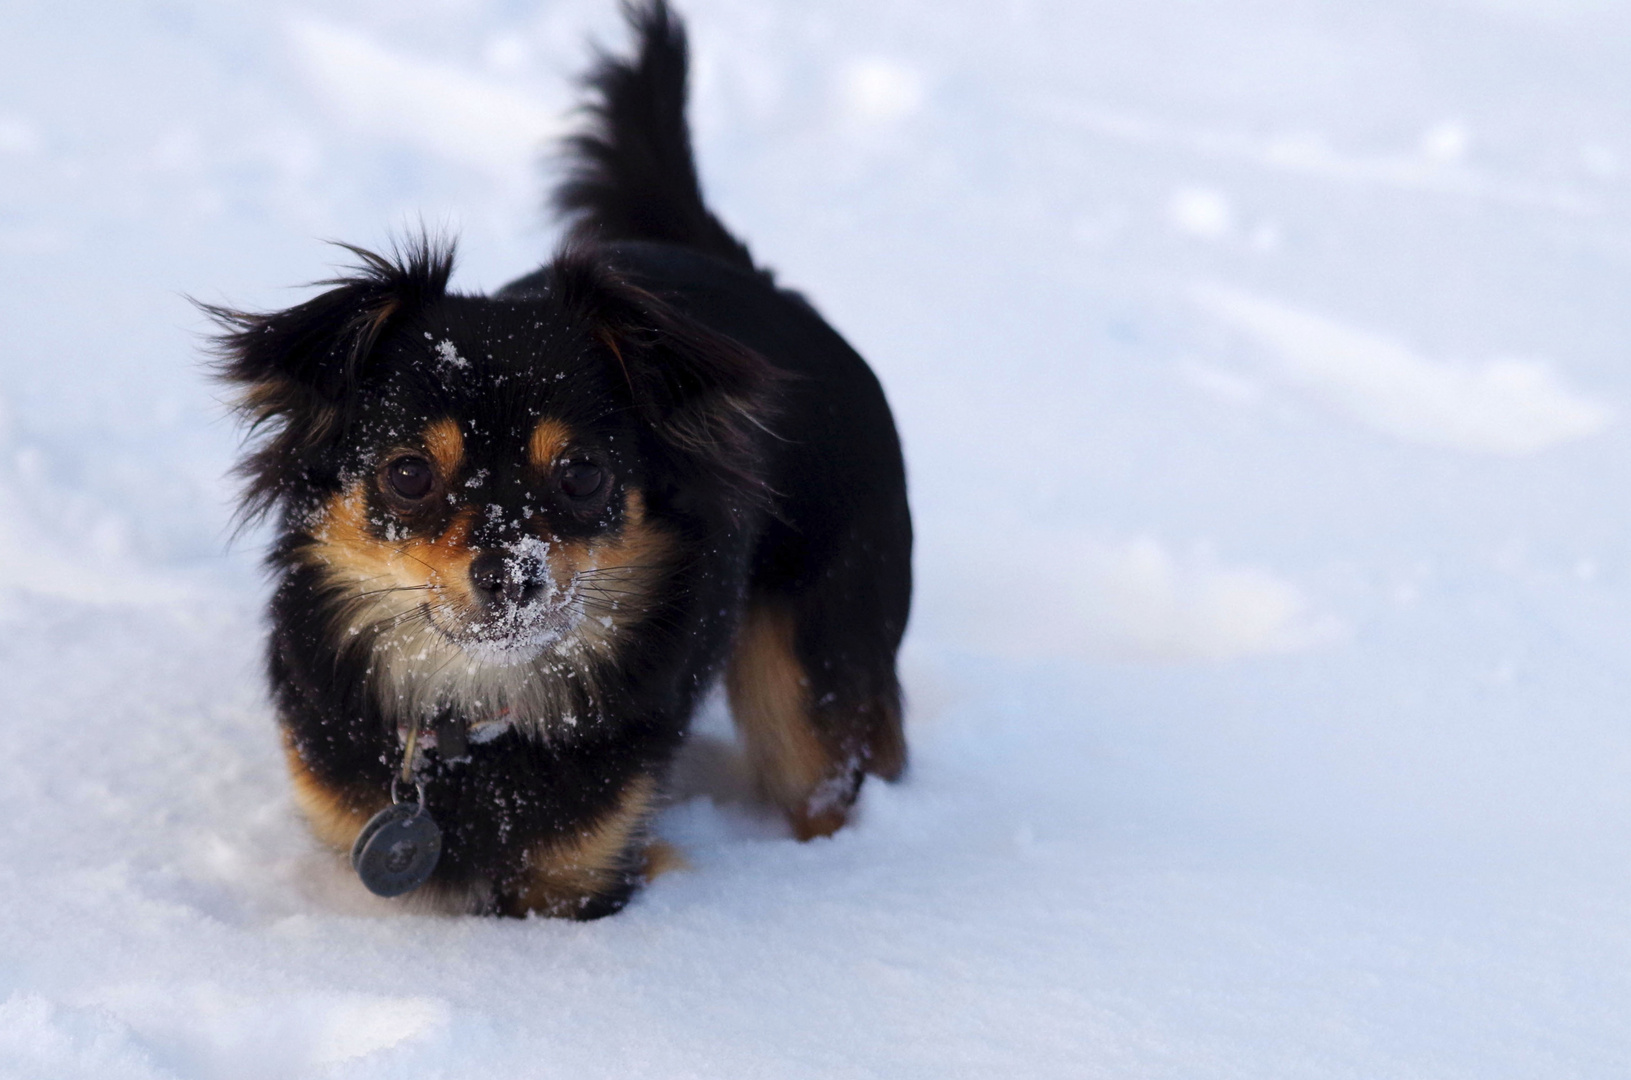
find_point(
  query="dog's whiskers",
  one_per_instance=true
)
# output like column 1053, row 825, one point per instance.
column 393, row 589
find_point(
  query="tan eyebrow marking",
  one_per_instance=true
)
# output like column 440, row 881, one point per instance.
column 549, row 441
column 445, row 442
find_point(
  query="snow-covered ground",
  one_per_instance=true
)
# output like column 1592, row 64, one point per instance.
column 1262, row 366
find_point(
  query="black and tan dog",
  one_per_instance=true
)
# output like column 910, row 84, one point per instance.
column 533, row 528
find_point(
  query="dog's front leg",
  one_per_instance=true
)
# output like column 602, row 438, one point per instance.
column 591, row 868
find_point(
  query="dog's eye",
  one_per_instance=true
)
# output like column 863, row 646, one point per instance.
column 581, row 479
column 410, row 477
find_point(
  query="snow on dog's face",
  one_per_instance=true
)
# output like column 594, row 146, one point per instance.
column 480, row 484
column 487, row 546
column 502, row 544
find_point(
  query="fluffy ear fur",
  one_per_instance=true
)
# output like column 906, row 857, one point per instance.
column 296, row 368
column 704, row 394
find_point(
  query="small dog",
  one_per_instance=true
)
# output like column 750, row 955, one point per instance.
column 521, row 535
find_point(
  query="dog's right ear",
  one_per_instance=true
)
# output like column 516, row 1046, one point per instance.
column 295, row 369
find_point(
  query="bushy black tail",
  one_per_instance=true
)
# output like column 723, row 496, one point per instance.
column 630, row 175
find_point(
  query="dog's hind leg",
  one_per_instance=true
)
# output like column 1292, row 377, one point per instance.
column 813, row 689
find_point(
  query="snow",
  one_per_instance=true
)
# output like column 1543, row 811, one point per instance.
column 1261, row 368
column 448, row 354
column 1508, row 406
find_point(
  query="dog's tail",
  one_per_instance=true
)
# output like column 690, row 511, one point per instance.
column 630, row 174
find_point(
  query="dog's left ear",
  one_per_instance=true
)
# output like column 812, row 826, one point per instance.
column 708, row 397
column 296, row 369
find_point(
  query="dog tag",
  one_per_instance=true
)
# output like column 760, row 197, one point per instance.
column 393, row 812
column 397, row 850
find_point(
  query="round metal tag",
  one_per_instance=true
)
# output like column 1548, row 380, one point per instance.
column 394, row 812
column 397, row 850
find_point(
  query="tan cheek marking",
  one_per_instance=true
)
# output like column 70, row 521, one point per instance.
column 335, row 817
column 563, row 873
column 446, row 559
column 549, row 441
column 638, row 545
column 346, row 547
column 445, row 442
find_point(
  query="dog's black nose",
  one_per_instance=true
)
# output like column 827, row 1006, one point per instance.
column 501, row 578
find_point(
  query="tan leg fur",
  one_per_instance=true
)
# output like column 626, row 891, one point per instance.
column 770, row 698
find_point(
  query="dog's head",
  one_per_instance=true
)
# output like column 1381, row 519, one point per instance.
column 488, row 482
